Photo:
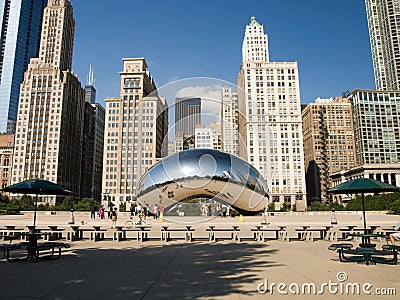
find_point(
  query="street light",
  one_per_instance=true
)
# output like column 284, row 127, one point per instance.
column 72, row 217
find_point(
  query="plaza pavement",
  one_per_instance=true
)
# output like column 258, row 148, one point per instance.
column 198, row 270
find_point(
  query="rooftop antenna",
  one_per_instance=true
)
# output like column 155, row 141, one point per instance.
column 90, row 77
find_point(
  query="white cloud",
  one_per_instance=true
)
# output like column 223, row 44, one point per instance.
column 211, row 97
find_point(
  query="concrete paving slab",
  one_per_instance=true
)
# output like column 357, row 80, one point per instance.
column 197, row 270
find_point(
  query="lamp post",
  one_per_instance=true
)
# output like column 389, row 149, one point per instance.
column 72, row 217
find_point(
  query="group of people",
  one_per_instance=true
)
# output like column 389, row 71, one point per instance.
column 146, row 210
column 100, row 212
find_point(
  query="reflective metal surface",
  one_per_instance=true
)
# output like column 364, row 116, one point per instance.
column 204, row 173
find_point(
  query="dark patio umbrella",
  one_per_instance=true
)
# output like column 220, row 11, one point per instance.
column 38, row 187
column 362, row 186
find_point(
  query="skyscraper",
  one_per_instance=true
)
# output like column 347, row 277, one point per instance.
column 270, row 124
column 48, row 141
column 329, row 145
column 384, row 30
column 135, row 131
column 187, row 115
column 229, row 121
column 93, row 142
column 20, row 29
column 90, row 91
column 97, row 174
column 376, row 116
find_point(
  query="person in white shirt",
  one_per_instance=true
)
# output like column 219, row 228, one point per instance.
column 138, row 208
column 396, row 235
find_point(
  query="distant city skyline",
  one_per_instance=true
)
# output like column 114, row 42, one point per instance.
column 329, row 40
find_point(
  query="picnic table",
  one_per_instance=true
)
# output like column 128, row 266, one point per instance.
column 143, row 232
column 366, row 252
column 34, row 251
column 366, row 238
column 54, row 233
column 234, row 232
column 96, row 234
column 74, row 234
column 119, row 233
column 166, row 232
column 301, row 231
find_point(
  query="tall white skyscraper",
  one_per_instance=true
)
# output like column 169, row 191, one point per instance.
column 48, row 140
column 384, row 30
column 230, row 121
column 270, row 124
column 135, row 136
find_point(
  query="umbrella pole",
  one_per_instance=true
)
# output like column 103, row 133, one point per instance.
column 34, row 214
column 363, row 208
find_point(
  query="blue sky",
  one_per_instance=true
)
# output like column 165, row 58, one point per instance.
column 182, row 39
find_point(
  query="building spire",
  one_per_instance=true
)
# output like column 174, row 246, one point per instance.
column 90, row 77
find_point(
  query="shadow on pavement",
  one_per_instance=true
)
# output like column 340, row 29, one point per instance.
column 140, row 271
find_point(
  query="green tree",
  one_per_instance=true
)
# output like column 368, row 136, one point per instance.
column 67, row 204
column 285, row 206
column 122, row 207
column 85, row 204
column 318, row 206
column 335, row 206
column 395, row 207
column 26, row 203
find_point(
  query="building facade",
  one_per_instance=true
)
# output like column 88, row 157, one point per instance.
column 87, row 151
column 230, row 121
column 376, row 125
column 270, row 125
column 93, row 142
column 97, row 173
column 135, row 131
column 187, row 115
column 376, row 115
column 48, row 142
column 208, row 137
column 90, row 90
column 384, row 31
column 329, row 144
column 20, row 29
column 6, row 158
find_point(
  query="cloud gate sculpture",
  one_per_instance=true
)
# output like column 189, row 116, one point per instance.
column 204, row 173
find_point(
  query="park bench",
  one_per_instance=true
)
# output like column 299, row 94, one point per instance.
column 166, row 233
column 48, row 249
column 359, row 255
column 35, row 252
column 120, row 233
column 78, row 233
column 142, row 233
column 52, row 235
column 234, row 233
column 385, row 256
column 259, row 233
column 8, row 247
column 9, row 235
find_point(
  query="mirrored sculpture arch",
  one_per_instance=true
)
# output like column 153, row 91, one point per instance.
column 204, row 173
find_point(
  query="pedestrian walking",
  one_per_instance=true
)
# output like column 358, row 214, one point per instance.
column 155, row 211
column 93, row 212
column 114, row 217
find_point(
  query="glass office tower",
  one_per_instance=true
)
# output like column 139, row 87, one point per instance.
column 20, row 28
